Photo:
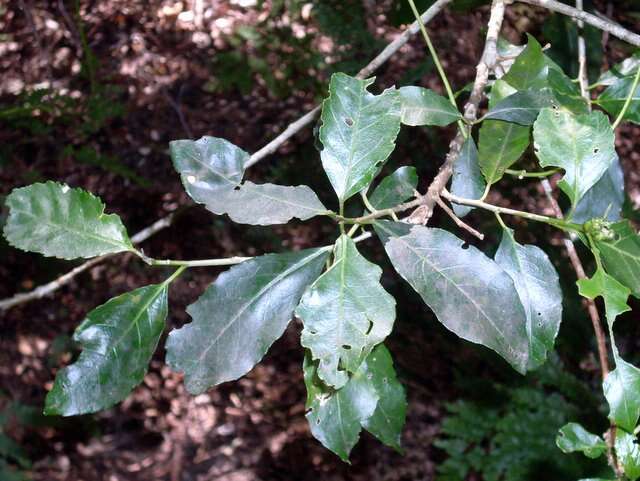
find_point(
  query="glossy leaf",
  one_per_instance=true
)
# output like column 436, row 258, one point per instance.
column 267, row 204
column 582, row 145
column 372, row 398
column 239, row 316
column 55, row 220
column 530, row 69
column 521, row 107
column 605, row 198
column 422, row 106
column 615, row 96
column 566, row 92
column 621, row 255
column 346, row 312
column 467, row 180
column 626, row 68
column 628, row 454
column 388, row 419
column 118, row 340
column 468, row 292
column 395, row 188
column 500, row 143
column 358, row 132
column 622, row 390
column 208, row 166
column 507, row 54
column 537, row 283
column 573, row 437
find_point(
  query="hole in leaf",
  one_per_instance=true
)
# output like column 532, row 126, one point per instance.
column 348, row 121
column 317, row 420
column 465, row 246
column 596, row 150
column 369, row 328
column 346, row 347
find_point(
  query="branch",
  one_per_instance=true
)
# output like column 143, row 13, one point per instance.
column 459, row 222
column 268, row 149
column 583, row 78
column 371, row 67
column 600, row 22
column 487, row 62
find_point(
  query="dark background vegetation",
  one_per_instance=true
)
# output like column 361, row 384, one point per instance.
column 91, row 92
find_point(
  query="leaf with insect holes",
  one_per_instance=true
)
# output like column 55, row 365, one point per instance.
column 239, row 316
column 538, row 287
column 573, row 437
column 208, row 166
column 55, row 220
column 358, row 132
column 621, row 255
column 422, row 106
column 395, row 188
column 582, row 145
column 615, row 96
column 345, row 313
column 211, row 170
column 468, row 292
column 118, row 340
column 566, row 93
column 467, row 180
column 605, row 199
column 628, row 454
column 267, row 204
column 373, row 399
column 500, row 143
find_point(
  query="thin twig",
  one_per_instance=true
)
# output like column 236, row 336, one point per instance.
column 601, row 23
column 487, row 62
column 268, row 149
column 176, row 104
column 371, row 67
column 583, row 78
column 459, row 222
column 559, row 223
column 50, row 287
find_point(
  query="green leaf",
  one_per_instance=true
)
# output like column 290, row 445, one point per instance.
column 628, row 453
column 467, row 180
column 536, row 281
column 372, row 398
column 118, row 340
column 395, row 188
column 621, row 255
column 346, row 312
column 521, row 107
column 388, row 419
column 615, row 96
column 582, row 145
column 358, row 132
column 530, row 69
column 55, row 220
column 627, row 67
column 267, row 204
column 566, row 92
column 422, row 106
column 211, row 170
column 605, row 199
column 208, row 166
column 239, row 316
column 573, row 437
column 622, row 390
column 615, row 295
column 500, row 143
column 468, row 292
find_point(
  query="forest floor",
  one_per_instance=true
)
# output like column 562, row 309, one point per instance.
column 155, row 79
